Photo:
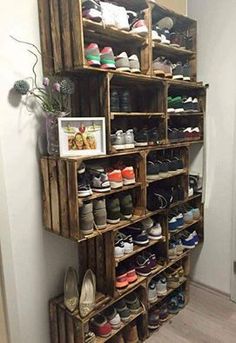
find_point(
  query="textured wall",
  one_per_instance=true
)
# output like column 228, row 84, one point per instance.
column 179, row 6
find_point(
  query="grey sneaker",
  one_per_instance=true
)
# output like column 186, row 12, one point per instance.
column 129, row 139
column 122, row 62
column 134, row 64
column 178, row 71
column 158, row 67
column 71, row 293
column 118, row 140
column 86, row 218
column 100, row 213
column 100, row 182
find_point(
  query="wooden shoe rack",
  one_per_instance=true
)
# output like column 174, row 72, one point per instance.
column 64, row 34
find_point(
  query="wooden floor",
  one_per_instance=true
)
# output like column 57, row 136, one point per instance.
column 208, row 318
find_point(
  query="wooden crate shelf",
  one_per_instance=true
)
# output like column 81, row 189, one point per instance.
column 169, row 50
column 159, row 178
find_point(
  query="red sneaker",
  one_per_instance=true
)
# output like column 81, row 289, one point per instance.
column 100, row 326
column 107, row 58
column 115, row 178
column 92, row 55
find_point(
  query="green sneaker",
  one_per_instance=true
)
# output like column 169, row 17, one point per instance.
column 113, row 211
column 170, row 105
column 177, row 104
column 126, row 206
column 133, row 303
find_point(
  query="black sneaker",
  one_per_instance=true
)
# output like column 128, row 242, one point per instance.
column 186, row 72
column 165, row 36
column 125, row 101
column 99, row 180
column 84, row 188
column 115, row 104
column 153, row 170
column 91, row 9
column 196, row 105
column 172, row 167
column 141, row 138
column 153, row 136
column 179, row 163
column 178, row 73
column 188, row 104
column 163, row 167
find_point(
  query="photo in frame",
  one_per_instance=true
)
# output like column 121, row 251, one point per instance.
column 82, row 136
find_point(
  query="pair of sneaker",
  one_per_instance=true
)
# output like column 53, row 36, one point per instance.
column 120, row 208
column 120, row 100
column 128, row 306
column 123, row 244
column 184, row 134
column 179, row 104
column 93, row 213
column 158, row 168
column 161, row 30
column 163, row 67
column 176, row 302
column 157, row 287
column 189, row 240
column 125, row 275
column 145, row 231
column 145, row 263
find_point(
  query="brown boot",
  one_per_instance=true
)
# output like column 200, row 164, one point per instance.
column 131, row 334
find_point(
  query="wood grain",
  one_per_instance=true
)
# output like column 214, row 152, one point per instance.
column 54, row 191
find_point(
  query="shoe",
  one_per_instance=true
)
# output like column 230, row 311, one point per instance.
column 181, row 299
column 152, row 170
column 153, row 136
column 92, row 55
column 134, row 64
column 128, row 175
column 115, row 102
column 113, row 211
column 86, row 218
column 186, row 72
column 87, row 295
column 173, row 306
column 175, row 39
column 131, row 273
column 90, row 337
column 99, row 180
column 172, row 280
column 195, row 236
column 115, row 178
column 118, row 140
column 172, row 253
column 125, row 101
column 127, row 243
column 121, row 18
column 137, row 23
column 119, row 246
column 188, row 241
column 172, row 224
column 71, row 293
column 133, row 303
column 100, row 326
column 153, row 320
column 113, row 317
column 122, row 62
column 179, row 163
column 195, row 105
column 165, row 36
column 177, row 104
column 147, row 223
column 108, row 18
column 91, row 9
column 121, row 277
column 188, row 216
column 152, row 292
column 139, row 235
column 155, row 233
column 141, row 138
column 156, row 34
column 126, row 205
column 152, row 258
column 100, row 213
column 180, row 220
column 143, row 266
column 123, row 310
column 131, row 333
column 164, row 314
column 178, row 73
column 170, row 105
column 166, row 23
column 158, row 67
column 107, row 58
column 129, row 139
column 168, row 69
column 84, row 188
column 188, row 104
column 179, row 247
column 161, row 285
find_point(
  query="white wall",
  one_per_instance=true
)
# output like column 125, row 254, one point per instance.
column 33, row 260
column 216, row 66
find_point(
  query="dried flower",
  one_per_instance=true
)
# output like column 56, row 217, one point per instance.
column 56, row 87
column 67, row 87
column 22, row 87
column 46, row 81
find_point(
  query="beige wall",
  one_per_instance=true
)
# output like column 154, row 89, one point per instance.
column 179, row 6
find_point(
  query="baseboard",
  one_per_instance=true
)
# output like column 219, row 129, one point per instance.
column 209, row 289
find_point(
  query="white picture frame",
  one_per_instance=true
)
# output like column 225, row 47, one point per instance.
column 82, row 136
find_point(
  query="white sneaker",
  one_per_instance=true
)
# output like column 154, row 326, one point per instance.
column 161, row 285
column 134, row 64
column 119, row 248
column 107, row 14
column 121, row 18
column 155, row 232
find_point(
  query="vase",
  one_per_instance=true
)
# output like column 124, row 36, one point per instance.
column 53, row 147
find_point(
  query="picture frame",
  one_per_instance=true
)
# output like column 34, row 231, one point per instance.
column 82, row 136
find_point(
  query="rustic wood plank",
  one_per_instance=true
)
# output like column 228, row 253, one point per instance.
column 47, row 220
column 53, row 322
column 78, row 331
column 91, row 254
column 63, row 193
column 66, row 34
column 56, row 35
column 83, row 261
column 72, row 199
column 99, row 263
column 45, row 37
column 77, row 33
column 53, row 179
column 69, row 329
column 109, row 286
column 62, row 324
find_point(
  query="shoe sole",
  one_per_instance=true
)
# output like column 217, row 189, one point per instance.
column 141, row 144
column 135, row 71
column 129, row 146
column 153, row 327
column 119, row 147
column 178, row 77
column 87, row 232
column 115, row 185
column 141, row 243
column 140, row 30
column 152, row 300
column 123, row 69
column 108, row 66
column 113, row 221
column 84, row 194
column 189, row 247
column 143, row 274
column 159, row 73
column 129, row 216
column 187, row 78
column 155, row 238
column 127, row 182
column 160, row 294
column 101, row 190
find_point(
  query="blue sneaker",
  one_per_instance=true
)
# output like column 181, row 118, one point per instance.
column 173, row 305
column 139, row 235
column 188, row 241
column 180, row 220
column 181, row 299
column 195, row 236
column 172, row 224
